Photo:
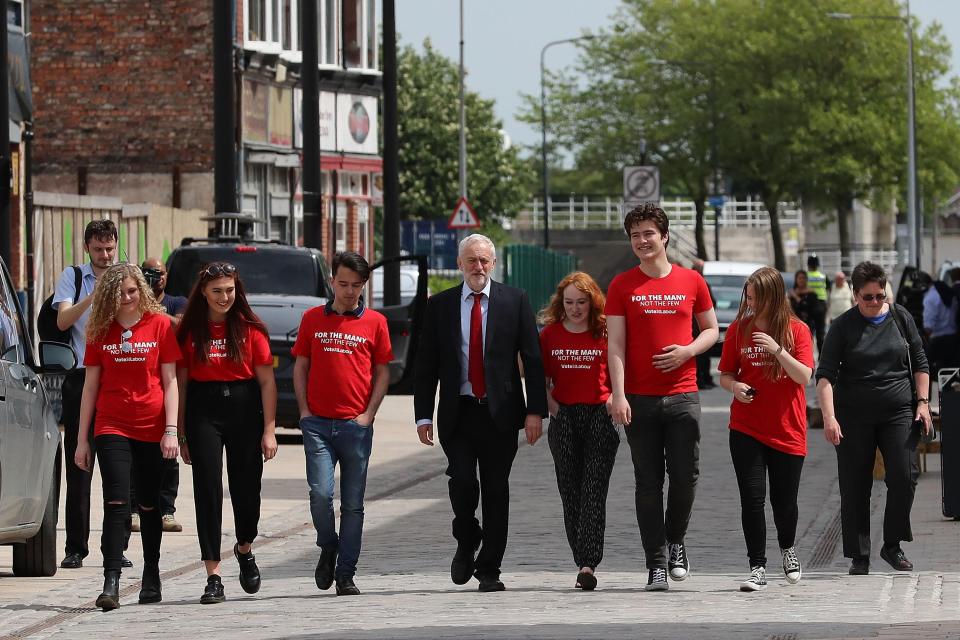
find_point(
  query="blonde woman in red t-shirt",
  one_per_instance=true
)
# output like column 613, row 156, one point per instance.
column 582, row 438
column 228, row 400
column 130, row 397
column 766, row 362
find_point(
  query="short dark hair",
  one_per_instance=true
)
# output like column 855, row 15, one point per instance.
column 955, row 275
column 867, row 272
column 353, row 261
column 103, row 230
column 647, row 211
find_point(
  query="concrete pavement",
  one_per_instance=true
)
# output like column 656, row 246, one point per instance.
column 404, row 568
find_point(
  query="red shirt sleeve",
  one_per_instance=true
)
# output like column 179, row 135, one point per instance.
column 301, row 347
column 703, row 301
column 614, row 306
column 260, row 348
column 383, row 350
column 802, row 343
column 92, row 357
column 730, row 357
column 169, row 349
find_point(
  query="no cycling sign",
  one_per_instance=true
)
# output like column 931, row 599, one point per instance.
column 641, row 184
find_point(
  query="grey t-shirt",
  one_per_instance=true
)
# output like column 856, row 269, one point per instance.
column 867, row 363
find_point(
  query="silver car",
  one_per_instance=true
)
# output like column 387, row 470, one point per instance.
column 30, row 448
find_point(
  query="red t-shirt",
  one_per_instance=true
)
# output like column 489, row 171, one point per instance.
column 577, row 364
column 130, row 400
column 343, row 351
column 777, row 417
column 659, row 312
column 218, row 366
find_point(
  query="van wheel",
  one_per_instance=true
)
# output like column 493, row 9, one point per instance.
column 38, row 555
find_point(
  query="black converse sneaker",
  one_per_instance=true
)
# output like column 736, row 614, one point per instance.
column 657, row 580
column 678, row 563
column 756, row 581
column 791, row 565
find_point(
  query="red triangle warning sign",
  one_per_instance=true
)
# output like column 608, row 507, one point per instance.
column 463, row 217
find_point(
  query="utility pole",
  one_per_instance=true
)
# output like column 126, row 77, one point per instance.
column 391, row 149
column 224, row 113
column 4, row 147
column 310, row 103
column 463, row 118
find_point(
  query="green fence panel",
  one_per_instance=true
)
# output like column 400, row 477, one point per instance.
column 536, row 270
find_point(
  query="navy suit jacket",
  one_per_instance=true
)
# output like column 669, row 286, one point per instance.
column 511, row 332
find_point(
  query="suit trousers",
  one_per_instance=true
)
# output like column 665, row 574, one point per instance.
column 477, row 443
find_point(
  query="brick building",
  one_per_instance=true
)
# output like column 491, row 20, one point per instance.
column 124, row 107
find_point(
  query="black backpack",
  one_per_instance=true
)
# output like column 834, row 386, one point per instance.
column 47, row 317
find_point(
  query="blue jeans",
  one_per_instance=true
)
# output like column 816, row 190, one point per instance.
column 327, row 441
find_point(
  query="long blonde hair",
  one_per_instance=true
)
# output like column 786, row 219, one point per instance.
column 106, row 298
column 770, row 304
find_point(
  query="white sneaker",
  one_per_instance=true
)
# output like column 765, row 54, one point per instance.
column 678, row 562
column 791, row 565
column 756, row 581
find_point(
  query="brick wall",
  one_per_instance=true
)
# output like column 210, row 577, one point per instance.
column 122, row 86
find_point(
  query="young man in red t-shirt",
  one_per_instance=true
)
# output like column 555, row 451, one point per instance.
column 650, row 312
column 340, row 377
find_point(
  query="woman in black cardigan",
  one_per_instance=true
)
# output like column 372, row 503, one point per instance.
column 864, row 363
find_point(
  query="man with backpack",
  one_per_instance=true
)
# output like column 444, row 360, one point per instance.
column 72, row 305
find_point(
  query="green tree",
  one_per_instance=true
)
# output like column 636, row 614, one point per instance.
column 427, row 101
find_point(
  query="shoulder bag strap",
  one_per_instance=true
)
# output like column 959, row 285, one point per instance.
column 77, row 282
column 895, row 310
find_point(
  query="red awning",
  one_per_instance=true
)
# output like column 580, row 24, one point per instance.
column 363, row 164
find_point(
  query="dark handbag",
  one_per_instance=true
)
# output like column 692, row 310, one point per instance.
column 917, row 424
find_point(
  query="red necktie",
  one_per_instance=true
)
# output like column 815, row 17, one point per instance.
column 475, row 372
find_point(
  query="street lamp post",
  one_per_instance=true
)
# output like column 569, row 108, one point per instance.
column 913, row 247
column 545, row 173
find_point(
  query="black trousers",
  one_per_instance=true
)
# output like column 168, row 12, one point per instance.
column 664, row 437
column 221, row 415
column 754, row 462
column 477, row 443
column 862, row 436
column 119, row 456
column 818, row 322
column 584, row 445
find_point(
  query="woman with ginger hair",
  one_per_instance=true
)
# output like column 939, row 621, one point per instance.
column 767, row 361
column 582, row 437
column 131, row 382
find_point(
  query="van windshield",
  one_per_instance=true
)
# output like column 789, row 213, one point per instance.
column 262, row 271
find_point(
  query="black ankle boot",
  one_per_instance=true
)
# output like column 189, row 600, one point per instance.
column 110, row 598
column 150, row 585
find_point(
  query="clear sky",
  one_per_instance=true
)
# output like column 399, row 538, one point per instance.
column 503, row 39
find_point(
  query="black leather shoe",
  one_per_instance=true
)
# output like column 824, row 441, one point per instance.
column 488, row 585
column 213, row 592
column 896, row 558
column 249, row 571
column 125, row 562
column 345, row 587
column 150, row 585
column 325, row 567
column 110, row 598
column 859, row 567
column 72, row 561
column 461, row 569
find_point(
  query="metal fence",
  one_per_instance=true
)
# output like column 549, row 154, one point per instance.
column 536, row 270
column 607, row 213
column 831, row 261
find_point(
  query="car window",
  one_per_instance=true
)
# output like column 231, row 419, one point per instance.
column 11, row 330
column 262, row 270
column 717, row 280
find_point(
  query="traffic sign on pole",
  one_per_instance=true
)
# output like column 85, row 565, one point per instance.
column 463, row 217
column 641, row 184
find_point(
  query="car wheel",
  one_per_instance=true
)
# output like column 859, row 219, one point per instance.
column 38, row 555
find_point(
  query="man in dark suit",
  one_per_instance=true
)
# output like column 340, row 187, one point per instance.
column 471, row 338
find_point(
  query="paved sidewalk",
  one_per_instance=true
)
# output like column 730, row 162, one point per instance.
column 404, row 568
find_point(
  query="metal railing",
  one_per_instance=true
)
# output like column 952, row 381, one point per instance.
column 584, row 213
column 831, row 261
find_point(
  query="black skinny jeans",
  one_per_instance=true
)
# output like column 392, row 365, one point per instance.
column 664, row 429
column 118, row 457
column 225, row 415
column 753, row 462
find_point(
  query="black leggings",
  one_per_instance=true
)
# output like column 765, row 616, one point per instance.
column 753, row 462
column 118, row 456
column 225, row 415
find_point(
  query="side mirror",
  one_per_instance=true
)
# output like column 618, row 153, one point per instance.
column 56, row 357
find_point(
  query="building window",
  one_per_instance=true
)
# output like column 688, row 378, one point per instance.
column 15, row 13
column 359, row 34
column 256, row 20
column 272, row 22
column 370, row 9
column 327, row 32
column 288, row 25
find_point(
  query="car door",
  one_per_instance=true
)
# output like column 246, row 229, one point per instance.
column 404, row 319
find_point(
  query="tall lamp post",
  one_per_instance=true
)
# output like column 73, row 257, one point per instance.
column 543, row 130
column 913, row 248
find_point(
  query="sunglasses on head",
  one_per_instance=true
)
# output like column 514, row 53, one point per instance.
column 219, row 270
column 870, row 297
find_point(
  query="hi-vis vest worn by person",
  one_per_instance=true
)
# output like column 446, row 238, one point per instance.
column 817, row 282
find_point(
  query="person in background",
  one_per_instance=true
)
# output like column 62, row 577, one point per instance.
column 841, row 297
column 582, row 438
column 131, row 381
column 940, row 325
column 766, row 363
column 865, row 394
column 802, row 299
column 820, row 285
